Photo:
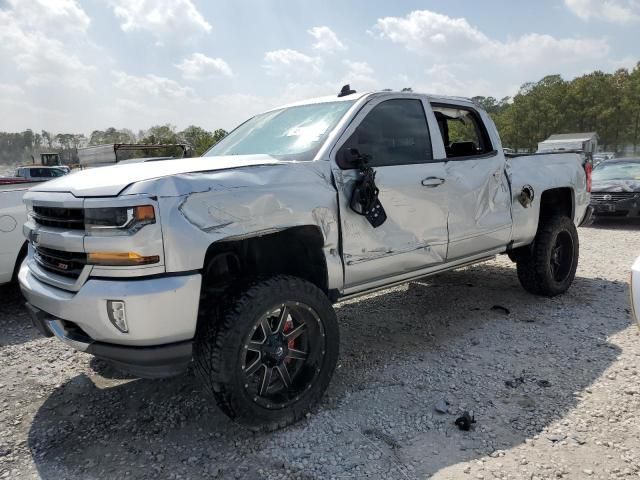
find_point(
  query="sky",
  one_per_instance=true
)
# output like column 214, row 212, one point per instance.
column 80, row 65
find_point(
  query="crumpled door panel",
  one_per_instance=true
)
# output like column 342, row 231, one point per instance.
column 479, row 205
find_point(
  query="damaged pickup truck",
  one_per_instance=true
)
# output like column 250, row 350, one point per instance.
column 234, row 259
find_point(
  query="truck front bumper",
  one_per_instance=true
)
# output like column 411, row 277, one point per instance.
column 161, row 316
column 146, row 362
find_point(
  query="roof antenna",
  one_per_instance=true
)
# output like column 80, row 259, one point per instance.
column 346, row 90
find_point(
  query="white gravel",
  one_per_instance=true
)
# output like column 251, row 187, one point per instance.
column 570, row 412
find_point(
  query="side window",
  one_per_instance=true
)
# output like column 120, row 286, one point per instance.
column 39, row 173
column 394, row 132
column 19, row 173
column 463, row 132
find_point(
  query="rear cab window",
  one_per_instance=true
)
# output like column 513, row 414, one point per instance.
column 462, row 130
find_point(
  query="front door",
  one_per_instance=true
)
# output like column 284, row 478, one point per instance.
column 394, row 134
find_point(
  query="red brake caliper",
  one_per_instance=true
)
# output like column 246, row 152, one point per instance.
column 291, row 343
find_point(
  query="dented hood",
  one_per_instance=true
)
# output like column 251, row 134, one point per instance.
column 110, row 181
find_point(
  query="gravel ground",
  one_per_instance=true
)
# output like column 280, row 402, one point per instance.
column 567, row 409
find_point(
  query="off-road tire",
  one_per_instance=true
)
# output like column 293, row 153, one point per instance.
column 535, row 270
column 218, row 347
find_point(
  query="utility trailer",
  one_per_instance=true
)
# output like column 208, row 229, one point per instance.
column 584, row 142
column 109, row 154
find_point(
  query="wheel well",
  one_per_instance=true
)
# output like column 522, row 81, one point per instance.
column 296, row 251
column 557, row 201
column 554, row 202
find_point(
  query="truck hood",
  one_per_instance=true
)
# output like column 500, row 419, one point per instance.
column 620, row 185
column 110, row 181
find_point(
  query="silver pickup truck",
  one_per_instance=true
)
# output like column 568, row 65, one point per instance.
column 234, row 259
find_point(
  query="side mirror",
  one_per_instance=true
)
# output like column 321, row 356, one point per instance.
column 348, row 158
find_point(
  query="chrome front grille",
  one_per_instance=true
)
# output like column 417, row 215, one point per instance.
column 68, row 264
column 608, row 197
column 67, row 218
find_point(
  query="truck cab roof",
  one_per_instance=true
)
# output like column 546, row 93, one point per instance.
column 371, row 94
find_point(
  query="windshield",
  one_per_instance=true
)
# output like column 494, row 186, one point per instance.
column 617, row 171
column 294, row 131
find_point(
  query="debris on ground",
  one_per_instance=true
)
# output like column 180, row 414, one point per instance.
column 441, row 406
column 465, row 421
column 500, row 308
column 515, row 382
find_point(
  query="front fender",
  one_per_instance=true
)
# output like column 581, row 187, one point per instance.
column 249, row 203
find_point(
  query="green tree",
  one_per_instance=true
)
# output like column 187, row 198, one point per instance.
column 161, row 135
column 111, row 135
column 198, row 140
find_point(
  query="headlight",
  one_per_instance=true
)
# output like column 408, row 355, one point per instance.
column 129, row 219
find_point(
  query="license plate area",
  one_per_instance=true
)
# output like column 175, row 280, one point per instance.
column 606, row 208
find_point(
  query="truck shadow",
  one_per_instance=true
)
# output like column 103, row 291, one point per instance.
column 456, row 337
column 616, row 224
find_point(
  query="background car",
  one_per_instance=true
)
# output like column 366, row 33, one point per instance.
column 39, row 173
column 615, row 191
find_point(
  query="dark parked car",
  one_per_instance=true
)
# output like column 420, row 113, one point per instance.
column 616, row 188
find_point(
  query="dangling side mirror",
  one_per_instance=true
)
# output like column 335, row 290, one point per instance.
column 348, row 158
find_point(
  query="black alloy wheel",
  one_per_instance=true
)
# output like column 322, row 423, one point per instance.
column 283, row 354
column 562, row 256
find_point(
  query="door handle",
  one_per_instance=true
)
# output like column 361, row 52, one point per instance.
column 432, row 182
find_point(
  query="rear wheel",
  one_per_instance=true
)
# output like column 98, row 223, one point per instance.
column 269, row 355
column 550, row 267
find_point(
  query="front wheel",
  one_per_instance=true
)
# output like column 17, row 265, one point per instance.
column 550, row 267
column 268, row 356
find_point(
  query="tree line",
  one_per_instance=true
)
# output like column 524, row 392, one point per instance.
column 606, row 103
column 23, row 147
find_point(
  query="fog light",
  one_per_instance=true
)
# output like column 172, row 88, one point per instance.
column 117, row 315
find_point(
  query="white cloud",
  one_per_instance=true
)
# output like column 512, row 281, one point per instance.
column 289, row 62
column 359, row 68
column 198, row 66
column 431, row 33
column 326, row 40
column 151, row 86
column 453, row 79
column 442, row 37
column 36, row 52
column 161, row 18
column 51, row 15
column 629, row 62
column 360, row 76
column 616, row 11
column 9, row 92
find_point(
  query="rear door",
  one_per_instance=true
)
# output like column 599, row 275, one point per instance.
column 394, row 133
column 478, row 191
